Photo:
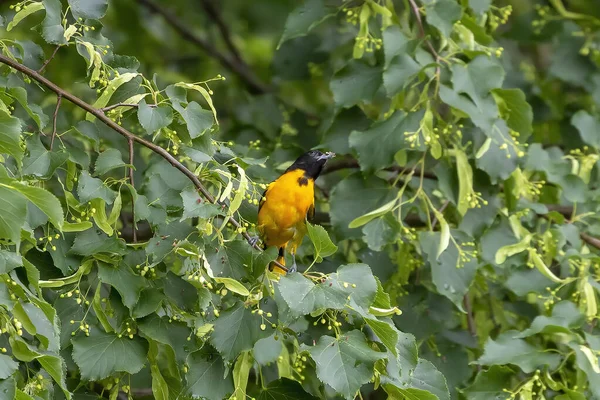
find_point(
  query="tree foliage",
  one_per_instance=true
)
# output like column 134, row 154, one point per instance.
column 455, row 251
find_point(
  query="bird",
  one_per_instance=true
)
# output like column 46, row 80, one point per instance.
column 287, row 203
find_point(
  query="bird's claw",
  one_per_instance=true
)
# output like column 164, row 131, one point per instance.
column 294, row 267
column 253, row 241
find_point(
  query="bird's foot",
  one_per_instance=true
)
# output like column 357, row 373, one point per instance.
column 292, row 269
column 253, row 241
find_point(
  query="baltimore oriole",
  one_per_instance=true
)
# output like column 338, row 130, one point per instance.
column 287, row 203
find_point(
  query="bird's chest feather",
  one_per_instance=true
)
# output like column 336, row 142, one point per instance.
column 288, row 199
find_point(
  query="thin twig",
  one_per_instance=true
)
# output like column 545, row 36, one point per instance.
column 592, row 241
column 132, row 183
column 470, row 320
column 415, row 9
column 113, row 106
column 215, row 15
column 45, row 64
column 54, row 118
column 130, row 136
column 441, row 211
column 239, row 67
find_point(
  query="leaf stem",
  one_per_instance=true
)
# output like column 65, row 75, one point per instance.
column 132, row 183
column 54, row 118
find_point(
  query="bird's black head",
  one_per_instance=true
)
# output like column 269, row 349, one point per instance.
column 311, row 163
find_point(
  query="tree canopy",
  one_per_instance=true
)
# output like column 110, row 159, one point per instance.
column 455, row 250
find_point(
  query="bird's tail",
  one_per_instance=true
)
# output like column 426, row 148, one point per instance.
column 281, row 260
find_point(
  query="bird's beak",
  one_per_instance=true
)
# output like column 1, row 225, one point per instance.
column 327, row 156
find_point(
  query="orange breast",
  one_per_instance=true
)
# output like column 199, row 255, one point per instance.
column 284, row 209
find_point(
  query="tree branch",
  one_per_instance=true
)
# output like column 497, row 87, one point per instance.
column 215, row 15
column 129, row 136
column 415, row 9
column 45, row 64
column 238, row 67
column 54, row 118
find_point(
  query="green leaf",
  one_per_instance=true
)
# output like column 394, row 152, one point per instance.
column 323, row 245
column 386, row 332
column 542, row 267
column 443, row 14
column 451, row 275
column 490, row 384
column 109, row 90
column 587, row 361
column 33, row 110
column 237, row 330
column 345, row 363
column 510, row 250
column 168, row 332
column 160, row 389
column 195, row 206
column 13, row 210
column 355, row 83
column 427, row 377
column 396, row 393
column 565, row 316
column 241, row 372
column 236, row 202
column 509, row 350
column 207, row 376
column 90, row 242
column 128, row 284
column 352, row 280
column 233, row 285
column 154, row 118
column 352, row 197
column 90, row 188
column 25, row 11
column 109, row 160
column 9, row 261
column 588, row 127
column 267, row 350
column 480, row 6
column 52, row 29
column 381, row 231
column 43, row 199
column 149, row 301
column 204, row 93
column 281, row 389
column 41, row 162
column 92, row 9
column 405, row 362
column 10, row 134
column 398, row 74
column 303, row 296
column 465, row 180
column 365, row 218
column 377, row 146
column 56, row 368
column 102, row 354
column 515, row 110
column 305, row 18
column 8, row 387
column 476, row 80
column 198, row 120
column 7, row 366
